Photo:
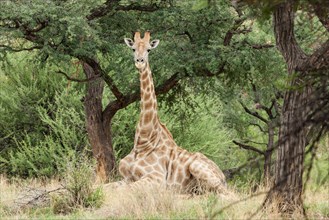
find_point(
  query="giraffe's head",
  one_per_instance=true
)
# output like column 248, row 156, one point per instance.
column 141, row 48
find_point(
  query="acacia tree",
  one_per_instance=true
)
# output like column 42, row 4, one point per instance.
column 304, row 107
column 61, row 31
column 92, row 32
column 297, row 105
column 196, row 40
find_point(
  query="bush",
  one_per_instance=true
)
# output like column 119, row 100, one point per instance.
column 46, row 157
column 203, row 130
column 79, row 192
column 42, row 120
column 24, row 87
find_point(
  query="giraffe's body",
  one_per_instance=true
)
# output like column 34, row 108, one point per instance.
column 156, row 158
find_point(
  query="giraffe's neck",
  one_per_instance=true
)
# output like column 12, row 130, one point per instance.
column 148, row 126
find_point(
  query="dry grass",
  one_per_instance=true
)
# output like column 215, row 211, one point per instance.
column 155, row 203
column 316, row 202
column 14, row 194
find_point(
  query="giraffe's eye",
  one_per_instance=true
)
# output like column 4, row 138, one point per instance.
column 134, row 50
column 148, row 50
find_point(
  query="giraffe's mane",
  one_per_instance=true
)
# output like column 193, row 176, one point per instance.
column 166, row 130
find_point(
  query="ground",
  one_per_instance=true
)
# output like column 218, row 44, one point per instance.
column 151, row 203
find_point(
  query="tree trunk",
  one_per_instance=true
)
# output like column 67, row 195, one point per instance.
column 287, row 191
column 267, row 168
column 99, row 132
column 268, row 154
column 299, row 102
column 286, row 195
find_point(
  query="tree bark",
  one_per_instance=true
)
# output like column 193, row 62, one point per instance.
column 268, row 154
column 288, row 184
column 286, row 194
column 99, row 133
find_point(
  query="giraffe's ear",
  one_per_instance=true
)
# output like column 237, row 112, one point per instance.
column 129, row 42
column 154, row 43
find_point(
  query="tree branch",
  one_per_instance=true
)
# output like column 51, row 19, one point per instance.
column 41, row 25
column 248, row 147
column 102, row 10
column 262, row 46
column 258, row 103
column 114, row 5
column 317, row 61
column 109, row 81
column 255, row 114
column 322, row 11
column 168, row 84
column 78, row 80
column 126, row 100
column 187, row 33
column 229, row 173
column 20, row 49
column 288, row 46
column 242, row 31
column 206, row 72
column 284, row 35
column 138, row 7
column 259, row 127
column 254, row 142
column 114, row 89
column 229, row 34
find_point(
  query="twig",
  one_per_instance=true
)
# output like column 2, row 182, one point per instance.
column 262, row 46
column 33, row 195
column 236, row 202
column 19, row 49
column 257, row 125
column 255, row 114
column 78, row 80
column 248, row 147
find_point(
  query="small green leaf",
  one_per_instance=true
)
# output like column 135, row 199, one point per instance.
column 199, row 5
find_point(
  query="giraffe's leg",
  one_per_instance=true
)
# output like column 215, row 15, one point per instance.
column 125, row 173
column 125, row 169
column 142, row 184
column 207, row 173
column 115, row 185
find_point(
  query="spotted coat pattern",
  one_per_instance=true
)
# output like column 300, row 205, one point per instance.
column 156, row 158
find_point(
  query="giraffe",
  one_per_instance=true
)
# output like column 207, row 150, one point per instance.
column 156, row 158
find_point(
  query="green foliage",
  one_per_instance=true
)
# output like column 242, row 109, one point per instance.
column 310, row 33
column 42, row 119
column 48, row 156
column 42, row 124
column 78, row 185
column 201, row 129
column 36, row 161
column 123, row 130
column 23, row 87
column 186, row 35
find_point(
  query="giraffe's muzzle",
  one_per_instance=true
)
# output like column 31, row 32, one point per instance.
column 140, row 63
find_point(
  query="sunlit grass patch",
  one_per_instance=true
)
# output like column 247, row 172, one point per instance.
column 316, row 202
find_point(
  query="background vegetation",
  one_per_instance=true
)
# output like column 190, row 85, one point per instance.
column 217, row 59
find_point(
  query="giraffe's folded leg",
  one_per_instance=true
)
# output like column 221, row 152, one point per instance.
column 144, row 183
column 207, row 174
column 116, row 184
